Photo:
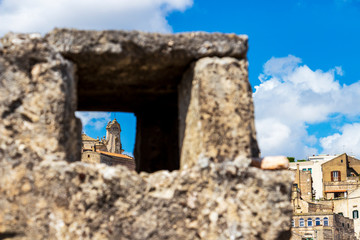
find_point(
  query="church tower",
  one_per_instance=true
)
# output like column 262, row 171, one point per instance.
column 113, row 142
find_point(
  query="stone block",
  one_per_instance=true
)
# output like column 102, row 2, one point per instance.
column 57, row 200
column 216, row 112
column 37, row 102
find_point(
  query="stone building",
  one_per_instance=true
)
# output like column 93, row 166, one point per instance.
column 318, row 219
column 322, row 226
column 303, row 184
column 106, row 150
column 348, row 207
column 313, row 165
column 340, row 176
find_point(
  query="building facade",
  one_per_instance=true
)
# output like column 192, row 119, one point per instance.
column 348, row 207
column 303, row 184
column 322, row 226
column 313, row 165
column 106, row 150
column 326, row 219
column 340, row 176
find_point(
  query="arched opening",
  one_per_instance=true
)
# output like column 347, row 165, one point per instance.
column 355, row 214
column 301, row 222
column 326, row 221
column 309, row 222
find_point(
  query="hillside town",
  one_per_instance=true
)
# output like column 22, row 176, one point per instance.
column 326, row 198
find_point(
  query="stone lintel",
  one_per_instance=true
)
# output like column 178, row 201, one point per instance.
column 135, row 67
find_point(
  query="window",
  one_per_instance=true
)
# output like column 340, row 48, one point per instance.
column 317, row 222
column 335, row 176
column 355, row 214
column 326, row 221
column 301, row 222
column 339, row 195
column 293, row 223
column 309, row 222
column 310, row 169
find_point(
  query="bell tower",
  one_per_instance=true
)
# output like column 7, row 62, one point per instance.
column 113, row 142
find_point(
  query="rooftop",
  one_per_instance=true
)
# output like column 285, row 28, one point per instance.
column 115, row 154
column 85, row 137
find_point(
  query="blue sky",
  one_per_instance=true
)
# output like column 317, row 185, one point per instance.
column 303, row 59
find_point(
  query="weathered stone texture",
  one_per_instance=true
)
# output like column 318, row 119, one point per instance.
column 37, row 102
column 78, row 201
column 216, row 112
column 45, row 196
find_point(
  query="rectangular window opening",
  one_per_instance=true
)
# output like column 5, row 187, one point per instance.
column 148, row 142
column 335, row 176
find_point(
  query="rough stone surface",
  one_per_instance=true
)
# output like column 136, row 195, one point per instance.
column 57, row 200
column 216, row 112
column 44, row 195
column 37, row 102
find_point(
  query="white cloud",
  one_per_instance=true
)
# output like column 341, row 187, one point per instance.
column 43, row 15
column 347, row 141
column 98, row 120
column 291, row 97
column 281, row 66
column 339, row 71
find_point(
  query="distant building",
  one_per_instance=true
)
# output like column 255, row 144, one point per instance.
column 106, row 150
column 313, row 165
column 318, row 219
column 322, row 226
column 350, row 207
column 340, row 176
column 303, row 184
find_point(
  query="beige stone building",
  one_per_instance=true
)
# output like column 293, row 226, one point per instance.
column 303, row 184
column 318, row 219
column 313, row 165
column 348, row 207
column 106, row 150
column 340, row 176
column 322, row 226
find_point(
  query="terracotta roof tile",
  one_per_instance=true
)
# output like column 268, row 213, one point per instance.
column 331, row 191
column 115, row 154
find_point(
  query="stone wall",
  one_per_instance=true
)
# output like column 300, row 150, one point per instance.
column 44, row 195
column 339, row 227
column 90, row 157
column 114, row 160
